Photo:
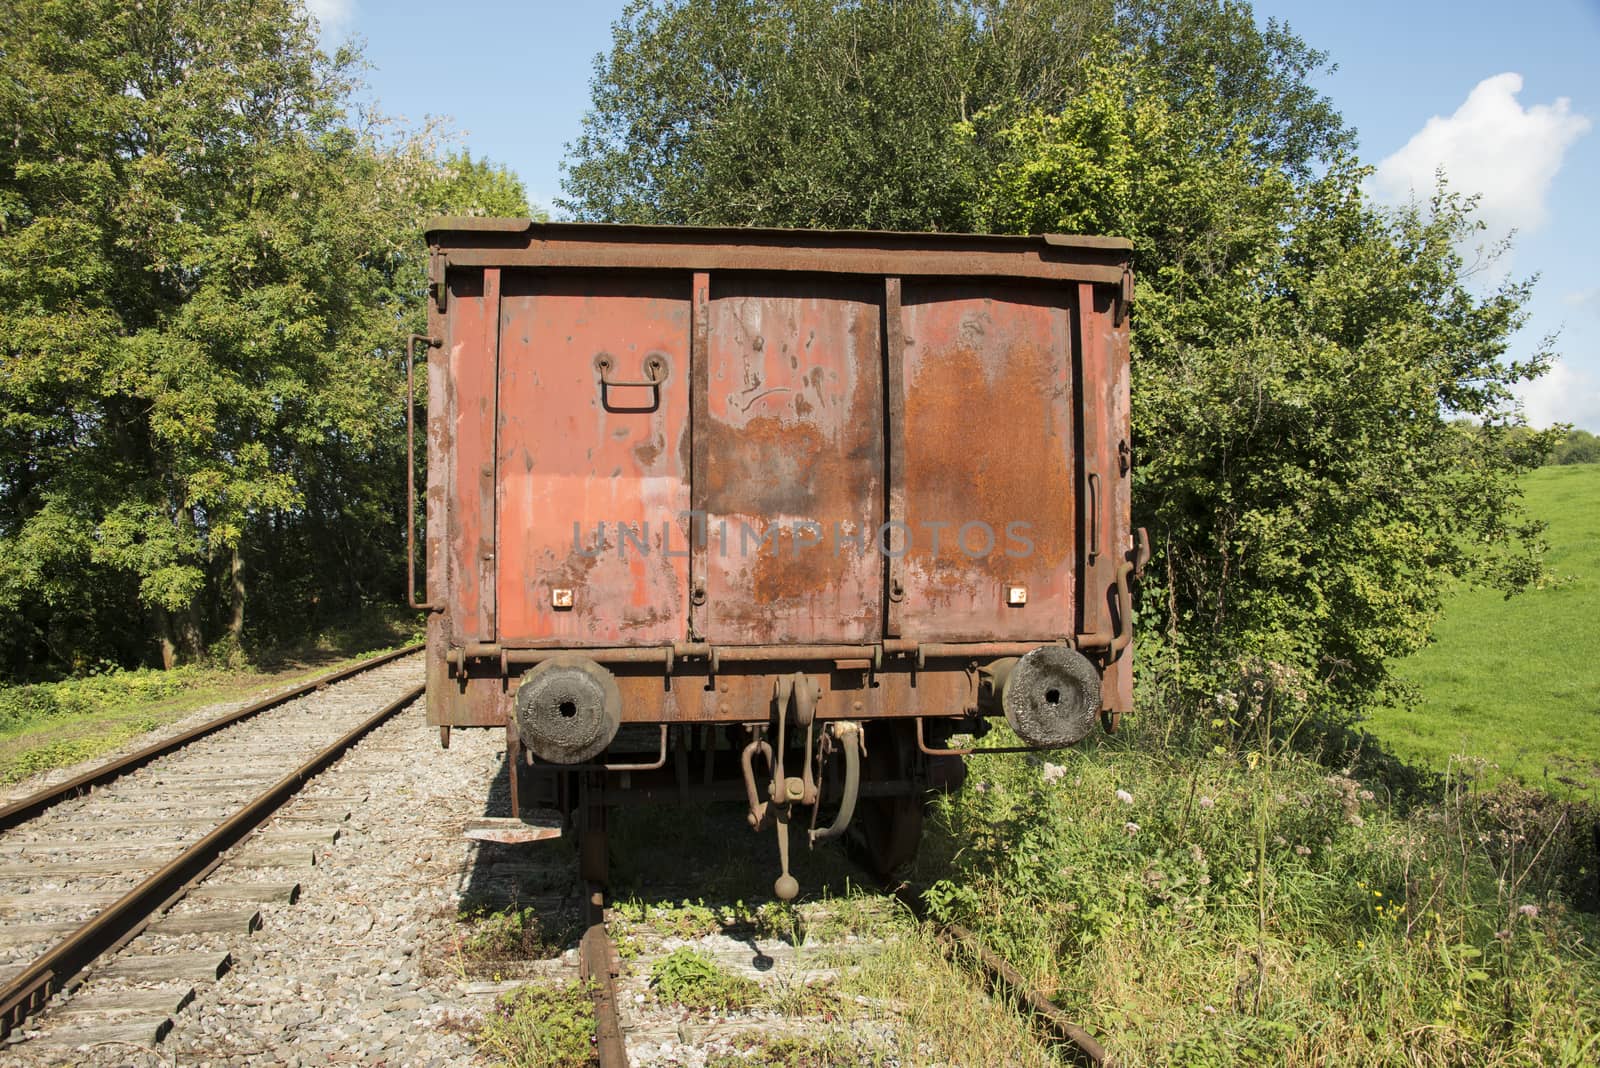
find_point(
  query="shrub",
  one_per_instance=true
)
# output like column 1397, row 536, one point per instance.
column 694, row 981
column 541, row 1025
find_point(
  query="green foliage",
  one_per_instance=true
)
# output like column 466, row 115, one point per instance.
column 513, row 934
column 883, row 114
column 28, row 706
column 206, row 274
column 466, row 186
column 1576, row 447
column 1251, row 907
column 788, row 1051
column 696, row 919
column 50, row 725
column 1298, row 359
column 689, row 978
column 541, row 1025
column 809, row 112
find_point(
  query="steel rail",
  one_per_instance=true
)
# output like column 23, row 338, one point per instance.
column 597, row 956
column 1000, row 973
column 24, row 809
column 29, row 991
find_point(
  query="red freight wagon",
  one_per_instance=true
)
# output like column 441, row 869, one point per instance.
column 772, row 514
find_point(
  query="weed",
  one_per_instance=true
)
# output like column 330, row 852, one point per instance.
column 692, row 980
column 695, row 919
column 797, row 998
column 514, row 934
column 541, row 1025
column 789, row 1051
column 936, row 1012
column 1244, row 902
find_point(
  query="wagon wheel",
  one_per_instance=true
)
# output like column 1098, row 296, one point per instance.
column 886, row 831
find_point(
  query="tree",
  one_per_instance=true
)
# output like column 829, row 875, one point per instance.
column 1576, row 447
column 206, row 272
column 819, row 113
column 810, row 112
column 1301, row 359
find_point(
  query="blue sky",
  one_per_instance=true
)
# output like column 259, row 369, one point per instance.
column 1506, row 100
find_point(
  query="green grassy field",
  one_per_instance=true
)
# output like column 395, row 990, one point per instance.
column 1517, row 681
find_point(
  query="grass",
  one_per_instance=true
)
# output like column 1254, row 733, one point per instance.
column 541, row 1025
column 55, row 724
column 1245, row 905
column 497, row 939
column 1517, row 681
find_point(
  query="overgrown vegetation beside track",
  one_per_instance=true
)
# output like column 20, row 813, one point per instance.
column 1238, row 902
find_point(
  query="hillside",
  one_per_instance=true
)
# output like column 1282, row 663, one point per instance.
column 1517, row 681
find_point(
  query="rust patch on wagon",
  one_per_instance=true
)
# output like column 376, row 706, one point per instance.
column 948, row 479
column 796, row 451
column 647, row 451
column 989, row 440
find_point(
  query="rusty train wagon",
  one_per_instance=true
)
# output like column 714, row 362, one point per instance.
column 772, row 515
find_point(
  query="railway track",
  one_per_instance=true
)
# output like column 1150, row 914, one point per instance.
column 615, row 985
column 90, row 871
column 600, row 965
column 89, row 864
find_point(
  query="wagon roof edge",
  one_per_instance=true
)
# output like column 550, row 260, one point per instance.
column 515, row 225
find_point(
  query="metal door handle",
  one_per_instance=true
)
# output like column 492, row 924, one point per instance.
column 1093, row 481
column 655, row 370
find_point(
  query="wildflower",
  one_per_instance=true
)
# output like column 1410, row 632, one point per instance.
column 1302, row 851
column 1130, row 828
column 981, row 787
column 1125, row 797
column 1052, row 772
column 1206, row 802
column 1211, row 1010
column 1529, row 911
column 1355, row 820
column 1365, row 795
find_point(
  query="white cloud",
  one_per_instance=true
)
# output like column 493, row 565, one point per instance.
column 1492, row 146
column 333, row 16
column 1587, row 299
column 1566, row 394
